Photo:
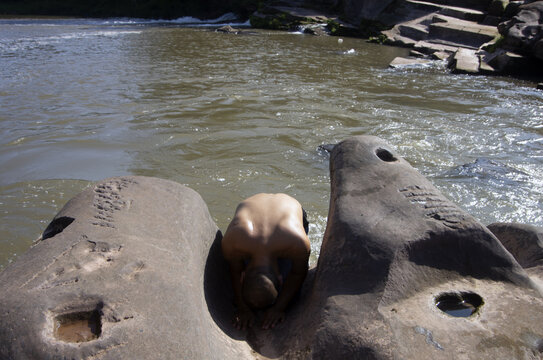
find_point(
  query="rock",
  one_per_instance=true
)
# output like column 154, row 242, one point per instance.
column 416, row 54
column 327, row 147
column 524, row 242
column 139, row 260
column 540, row 86
column 357, row 11
column 316, row 30
column 512, row 63
column 497, row 7
column 538, row 49
column 465, row 61
column 512, row 9
column 392, row 247
column 400, row 62
column 441, row 56
column 524, row 31
column 228, row 29
column 491, row 20
column 131, row 256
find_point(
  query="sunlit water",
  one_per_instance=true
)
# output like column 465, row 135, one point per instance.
column 233, row 115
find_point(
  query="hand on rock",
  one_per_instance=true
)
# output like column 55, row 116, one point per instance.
column 243, row 319
column 272, row 317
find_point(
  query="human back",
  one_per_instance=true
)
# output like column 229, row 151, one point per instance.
column 270, row 223
column 265, row 229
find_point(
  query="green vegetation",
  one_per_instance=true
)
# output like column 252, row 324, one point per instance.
column 274, row 21
column 495, row 44
column 372, row 28
column 155, row 9
column 379, row 39
column 333, row 26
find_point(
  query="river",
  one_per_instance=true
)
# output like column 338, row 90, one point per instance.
column 233, row 115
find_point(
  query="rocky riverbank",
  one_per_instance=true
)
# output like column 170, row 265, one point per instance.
column 474, row 37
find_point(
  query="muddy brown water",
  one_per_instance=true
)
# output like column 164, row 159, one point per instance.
column 231, row 116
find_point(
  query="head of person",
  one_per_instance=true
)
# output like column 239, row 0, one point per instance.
column 260, row 287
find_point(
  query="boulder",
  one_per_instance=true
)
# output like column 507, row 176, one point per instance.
column 524, row 32
column 394, row 249
column 119, row 274
column 132, row 268
column 512, row 63
column 228, row 30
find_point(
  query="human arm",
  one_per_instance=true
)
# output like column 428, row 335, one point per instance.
column 244, row 317
column 291, row 286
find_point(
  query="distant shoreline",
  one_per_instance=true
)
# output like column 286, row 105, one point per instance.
column 144, row 9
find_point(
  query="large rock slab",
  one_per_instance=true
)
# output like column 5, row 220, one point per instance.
column 392, row 246
column 128, row 256
column 395, row 248
column 403, row 273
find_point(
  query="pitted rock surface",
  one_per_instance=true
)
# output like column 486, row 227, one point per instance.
column 143, row 255
column 133, row 250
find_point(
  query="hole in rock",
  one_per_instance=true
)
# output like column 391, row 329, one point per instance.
column 78, row 326
column 462, row 304
column 385, row 155
column 57, row 226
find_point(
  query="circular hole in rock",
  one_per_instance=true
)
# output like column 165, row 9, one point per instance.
column 462, row 304
column 78, row 327
column 385, row 155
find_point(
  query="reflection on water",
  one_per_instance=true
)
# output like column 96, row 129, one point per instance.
column 230, row 116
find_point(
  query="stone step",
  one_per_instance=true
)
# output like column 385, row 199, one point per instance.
column 413, row 30
column 451, row 44
column 464, row 33
column 427, row 47
column 395, row 39
column 465, row 62
column 453, row 11
column 481, row 5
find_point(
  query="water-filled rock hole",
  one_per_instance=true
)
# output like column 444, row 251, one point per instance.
column 79, row 326
column 462, row 304
column 385, row 155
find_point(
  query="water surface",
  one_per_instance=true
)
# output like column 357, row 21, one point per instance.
column 231, row 116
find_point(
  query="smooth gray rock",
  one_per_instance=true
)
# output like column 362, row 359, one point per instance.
column 394, row 243
column 143, row 256
column 134, row 252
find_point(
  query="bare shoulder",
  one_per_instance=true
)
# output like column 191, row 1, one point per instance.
column 267, row 199
column 234, row 239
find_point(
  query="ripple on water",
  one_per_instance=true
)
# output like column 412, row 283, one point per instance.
column 231, row 116
column 27, row 208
